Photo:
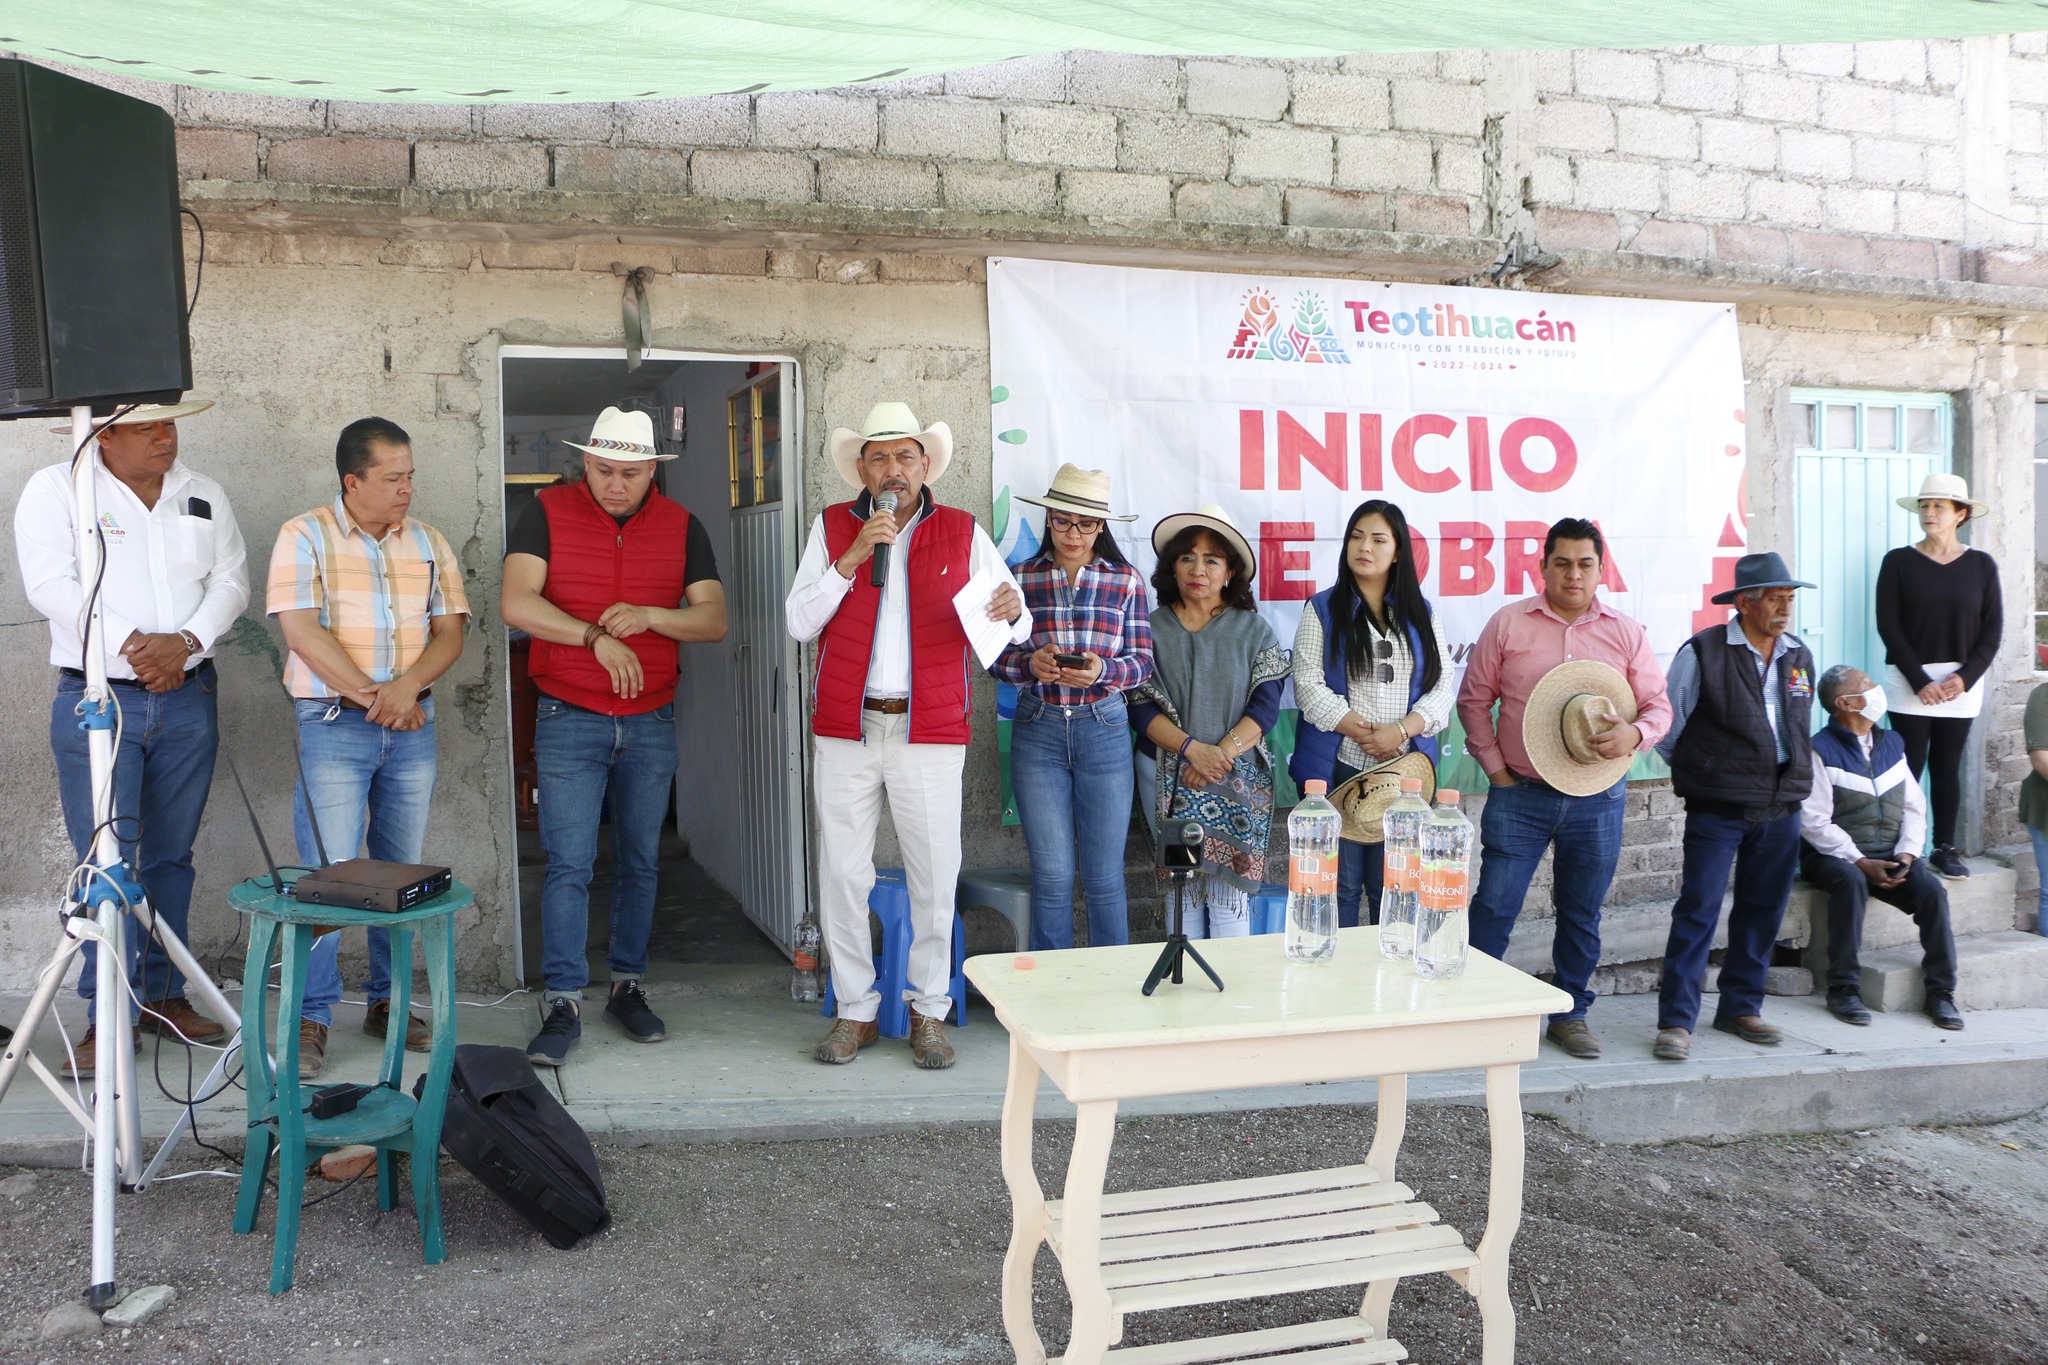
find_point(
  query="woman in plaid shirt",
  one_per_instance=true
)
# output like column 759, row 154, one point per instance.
column 1070, row 744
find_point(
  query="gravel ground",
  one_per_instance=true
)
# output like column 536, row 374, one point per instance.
column 1897, row 1245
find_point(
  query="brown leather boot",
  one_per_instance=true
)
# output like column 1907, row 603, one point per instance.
column 175, row 1018
column 844, row 1042
column 377, row 1022
column 86, row 1050
column 312, row 1048
column 928, row 1045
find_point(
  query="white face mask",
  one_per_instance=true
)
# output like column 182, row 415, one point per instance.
column 1874, row 706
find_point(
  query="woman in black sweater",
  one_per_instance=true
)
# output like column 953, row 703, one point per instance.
column 1940, row 615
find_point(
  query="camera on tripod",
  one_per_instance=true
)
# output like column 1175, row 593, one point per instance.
column 1179, row 846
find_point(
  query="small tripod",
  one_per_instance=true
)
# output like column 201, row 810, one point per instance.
column 1177, row 945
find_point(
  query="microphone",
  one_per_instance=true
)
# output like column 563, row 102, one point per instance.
column 878, row 567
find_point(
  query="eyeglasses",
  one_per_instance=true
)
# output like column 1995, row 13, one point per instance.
column 1383, row 650
column 1087, row 526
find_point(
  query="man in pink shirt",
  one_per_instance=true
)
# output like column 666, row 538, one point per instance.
column 1524, row 815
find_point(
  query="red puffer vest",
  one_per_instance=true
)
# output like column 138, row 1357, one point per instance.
column 593, row 562
column 940, row 701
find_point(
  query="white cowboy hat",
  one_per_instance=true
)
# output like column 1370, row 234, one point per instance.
column 1210, row 517
column 622, row 436
column 1081, row 492
column 887, row 421
column 147, row 412
column 1949, row 486
column 1564, row 712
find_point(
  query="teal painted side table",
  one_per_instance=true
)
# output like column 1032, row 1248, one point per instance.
column 387, row 1118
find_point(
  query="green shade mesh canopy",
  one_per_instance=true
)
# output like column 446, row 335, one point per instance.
column 507, row 51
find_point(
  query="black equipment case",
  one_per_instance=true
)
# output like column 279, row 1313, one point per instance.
column 509, row 1131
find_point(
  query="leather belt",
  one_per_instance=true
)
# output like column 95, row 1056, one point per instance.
column 351, row 704
column 205, row 666
column 888, row 706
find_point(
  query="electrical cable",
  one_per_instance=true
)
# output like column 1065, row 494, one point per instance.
column 199, row 270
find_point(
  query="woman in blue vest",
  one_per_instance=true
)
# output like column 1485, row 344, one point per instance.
column 1364, row 697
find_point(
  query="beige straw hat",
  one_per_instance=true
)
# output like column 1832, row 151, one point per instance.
column 1564, row 713
column 1080, row 492
column 144, row 413
column 1950, row 486
column 1363, row 799
column 886, row 422
column 1210, row 517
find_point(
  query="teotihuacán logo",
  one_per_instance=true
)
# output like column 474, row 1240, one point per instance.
column 1305, row 335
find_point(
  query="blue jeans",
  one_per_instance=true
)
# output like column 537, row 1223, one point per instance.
column 1071, row 769
column 162, row 771
column 370, row 785
column 1518, row 824
column 1763, row 854
column 580, row 756
column 1361, row 870
column 2041, row 865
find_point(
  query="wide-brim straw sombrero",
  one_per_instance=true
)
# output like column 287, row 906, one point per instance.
column 1210, row 517
column 888, row 422
column 1953, row 487
column 1363, row 798
column 627, row 437
column 147, row 412
column 1080, row 492
column 1561, row 718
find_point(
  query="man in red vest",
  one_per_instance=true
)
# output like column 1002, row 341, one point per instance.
column 890, row 710
column 606, row 575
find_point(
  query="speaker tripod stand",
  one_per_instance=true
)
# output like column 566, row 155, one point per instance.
column 1177, row 946
column 101, row 894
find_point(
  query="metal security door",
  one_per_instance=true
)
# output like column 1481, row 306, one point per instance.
column 770, row 862
column 1857, row 453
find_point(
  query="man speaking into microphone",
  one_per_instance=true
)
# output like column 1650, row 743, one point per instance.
column 890, row 708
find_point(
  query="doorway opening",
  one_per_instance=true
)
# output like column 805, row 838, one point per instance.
column 732, row 882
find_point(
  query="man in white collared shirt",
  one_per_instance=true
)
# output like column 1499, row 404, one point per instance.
column 175, row 580
column 890, row 710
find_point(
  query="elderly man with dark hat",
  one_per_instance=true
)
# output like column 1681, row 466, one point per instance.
column 1862, row 827
column 890, row 708
column 175, row 579
column 1741, row 754
column 608, row 576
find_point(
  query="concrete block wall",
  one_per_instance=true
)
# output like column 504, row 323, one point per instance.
column 1922, row 160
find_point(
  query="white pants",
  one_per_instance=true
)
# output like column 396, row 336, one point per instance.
column 923, row 785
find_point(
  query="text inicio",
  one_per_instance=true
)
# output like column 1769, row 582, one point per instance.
column 1428, row 452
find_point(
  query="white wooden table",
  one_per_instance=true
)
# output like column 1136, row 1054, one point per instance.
column 1078, row 1018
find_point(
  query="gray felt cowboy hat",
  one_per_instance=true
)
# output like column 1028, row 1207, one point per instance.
column 1752, row 572
column 1080, row 492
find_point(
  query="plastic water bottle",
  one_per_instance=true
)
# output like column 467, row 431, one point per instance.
column 1401, row 856
column 1441, row 927
column 1312, row 876
column 803, row 975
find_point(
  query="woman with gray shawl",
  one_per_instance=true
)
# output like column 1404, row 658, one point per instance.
column 1214, row 692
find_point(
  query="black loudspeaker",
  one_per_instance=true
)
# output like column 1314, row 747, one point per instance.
column 92, row 257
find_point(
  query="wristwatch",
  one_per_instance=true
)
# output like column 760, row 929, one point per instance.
column 192, row 645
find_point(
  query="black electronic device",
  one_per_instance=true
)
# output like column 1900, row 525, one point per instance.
column 1070, row 660
column 1178, row 852
column 371, row 884
column 92, row 255
column 332, row 1101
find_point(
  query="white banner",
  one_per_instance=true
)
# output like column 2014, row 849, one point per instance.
column 1485, row 414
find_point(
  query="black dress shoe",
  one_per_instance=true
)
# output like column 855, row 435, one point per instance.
column 1944, row 1013
column 1848, row 1008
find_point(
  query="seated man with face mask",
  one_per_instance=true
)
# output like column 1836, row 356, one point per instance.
column 1861, row 831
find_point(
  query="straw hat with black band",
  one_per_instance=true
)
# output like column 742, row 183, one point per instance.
column 1952, row 487
column 1566, row 709
column 1079, row 493
column 889, row 422
column 1363, row 798
column 1209, row 517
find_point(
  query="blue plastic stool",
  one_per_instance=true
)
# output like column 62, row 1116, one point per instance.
column 1269, row 909
column 890, row 902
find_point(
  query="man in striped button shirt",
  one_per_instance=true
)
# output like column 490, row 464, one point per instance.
column 372, row 607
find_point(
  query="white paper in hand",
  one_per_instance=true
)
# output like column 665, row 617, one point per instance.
column 971, row 602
